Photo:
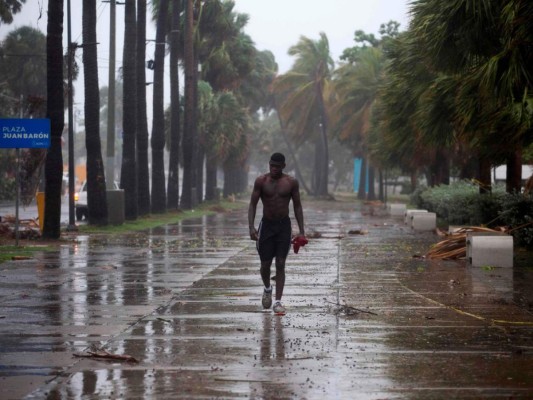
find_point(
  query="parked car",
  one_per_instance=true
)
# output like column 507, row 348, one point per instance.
column 80, row 201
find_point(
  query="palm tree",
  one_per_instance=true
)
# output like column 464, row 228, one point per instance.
column 227, row 142
column 159, row 197
column 24, row 75
column 303, row 92
column 55, row 111
column 356, row 86
column 143, row 177
column 488, row 44
column 175, row 130
column 128, row 176
column 8, row 8
column 96, row 185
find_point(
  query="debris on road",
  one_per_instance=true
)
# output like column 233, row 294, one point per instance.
column 348, row 310
column 102, row 354
column 454, row 247
column 28, row 228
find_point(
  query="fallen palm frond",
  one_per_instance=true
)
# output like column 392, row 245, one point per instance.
column 102, row 354
column 454, row 247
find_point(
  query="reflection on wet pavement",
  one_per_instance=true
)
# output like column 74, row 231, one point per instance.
column 184, row 300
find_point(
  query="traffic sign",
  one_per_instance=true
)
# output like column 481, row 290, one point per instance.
column 24, row 133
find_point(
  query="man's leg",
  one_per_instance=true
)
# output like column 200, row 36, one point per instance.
column 265, row 272
column 266, row 300
column 280, row 277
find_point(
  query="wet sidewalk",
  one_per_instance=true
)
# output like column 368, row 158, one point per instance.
column 365, row 320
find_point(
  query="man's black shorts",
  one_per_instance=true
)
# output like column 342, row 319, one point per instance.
column 274, row 238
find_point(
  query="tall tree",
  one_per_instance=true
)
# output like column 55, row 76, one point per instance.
column 23, row 65
column 159, row 197
column 356, row 86
column 55, row 111
column 303, row 92
column 128, row 176
column 187, row 201
column 143, row 173
column 175, row 129
column 96, row 185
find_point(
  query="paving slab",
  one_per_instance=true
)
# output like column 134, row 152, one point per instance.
column 365, row 318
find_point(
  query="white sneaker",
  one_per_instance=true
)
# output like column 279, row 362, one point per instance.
column 267, row 298
column 278, row 308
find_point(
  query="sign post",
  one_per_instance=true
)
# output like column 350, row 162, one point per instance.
column 17, row 133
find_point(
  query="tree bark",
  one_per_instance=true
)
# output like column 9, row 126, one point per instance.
column 513, row 183
column 210, row 177
column 361, row 193
column 323, row 189
column 175, row 130
column 188, row 124
column 159, row 198
column 128, row 176
column 55, row 111
column 371, row 180
column 143, row 177
column 484, row 177
column 96, row 185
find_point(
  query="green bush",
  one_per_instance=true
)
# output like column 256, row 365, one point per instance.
column 517, row 214
column 461, row 204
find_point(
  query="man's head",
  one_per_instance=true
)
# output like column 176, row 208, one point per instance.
column 276, row 163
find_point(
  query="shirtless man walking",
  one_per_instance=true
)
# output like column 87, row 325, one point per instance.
column 275, row 189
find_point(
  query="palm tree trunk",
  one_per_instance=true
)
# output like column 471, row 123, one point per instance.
column 361, row 193
column 54, row 111
column 323, row 189
column 381, row 186
column 231, row 171
column 96, row 186
column 199, row 161
column 318, row 169
column 188, row 123
column 143, row 178
column 484, row 177
column 293, row 155
column 371, row 180
column 173, row 187
column 128, row 175
column 159, row 198
column 513, row 180
column 210, row 177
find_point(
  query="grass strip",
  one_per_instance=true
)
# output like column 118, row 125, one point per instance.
column 170, row 217
column 10, row 252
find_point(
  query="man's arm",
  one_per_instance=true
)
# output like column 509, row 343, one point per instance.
column 298, row 209
column 254, row 199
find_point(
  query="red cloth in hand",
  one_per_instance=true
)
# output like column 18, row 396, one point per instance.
column 297, row 242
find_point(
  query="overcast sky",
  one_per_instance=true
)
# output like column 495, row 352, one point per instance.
column 274, row 25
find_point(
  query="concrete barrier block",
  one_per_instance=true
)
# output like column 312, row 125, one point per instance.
column 396, row 209
column 425, row 221
column 493, row 250
column 469, row 235
column 408, row 213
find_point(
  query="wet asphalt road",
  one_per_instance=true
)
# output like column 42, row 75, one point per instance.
column 365, row 320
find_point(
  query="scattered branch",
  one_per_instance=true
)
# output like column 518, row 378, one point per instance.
column 102, row 354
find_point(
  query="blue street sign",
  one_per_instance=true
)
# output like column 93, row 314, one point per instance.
column 24, row 133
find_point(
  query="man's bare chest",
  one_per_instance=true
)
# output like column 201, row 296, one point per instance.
column 277, row 188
